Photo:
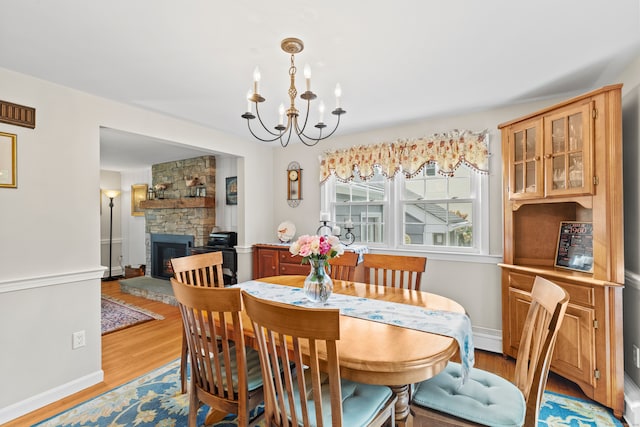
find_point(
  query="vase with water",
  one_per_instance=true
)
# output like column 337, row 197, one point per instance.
column 318, row 285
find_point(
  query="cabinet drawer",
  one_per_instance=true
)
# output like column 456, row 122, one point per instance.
column 578, row 294
column 286, row 257
column 294, row 269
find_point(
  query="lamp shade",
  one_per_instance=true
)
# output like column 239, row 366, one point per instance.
column 111, row 193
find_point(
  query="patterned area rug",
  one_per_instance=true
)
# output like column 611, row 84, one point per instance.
column 154, row 399
column 116, row 315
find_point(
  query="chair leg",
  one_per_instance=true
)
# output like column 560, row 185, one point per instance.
column 183, row 364
column 194, row 405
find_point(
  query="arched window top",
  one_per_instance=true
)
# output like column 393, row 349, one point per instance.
column 409, row 156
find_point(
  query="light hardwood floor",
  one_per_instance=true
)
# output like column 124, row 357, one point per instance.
column 131, row 352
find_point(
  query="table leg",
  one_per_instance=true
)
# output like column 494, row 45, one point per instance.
column 403, row 413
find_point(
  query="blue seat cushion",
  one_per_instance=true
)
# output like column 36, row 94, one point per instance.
column 360, row 402
column 254, row 373
column 485, row 398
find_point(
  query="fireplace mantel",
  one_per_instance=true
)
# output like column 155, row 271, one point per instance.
column 181, row 203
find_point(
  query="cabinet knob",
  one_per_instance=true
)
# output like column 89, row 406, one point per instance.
column 547, row 156
column 537, row 158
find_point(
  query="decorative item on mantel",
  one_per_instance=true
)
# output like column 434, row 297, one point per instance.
column 192, row 185
column 159, row 189
column 317, row 250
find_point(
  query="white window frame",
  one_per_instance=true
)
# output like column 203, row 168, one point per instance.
column 393, row 236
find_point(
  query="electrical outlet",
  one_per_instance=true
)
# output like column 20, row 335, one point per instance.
column 78, row 340
column 636, row 356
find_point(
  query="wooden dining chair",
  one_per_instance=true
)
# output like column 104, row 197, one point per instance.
column 488, row 399
column 396, row 271
column 344, row 266
column 197, row 270
column 224, row 374
column 307, row 340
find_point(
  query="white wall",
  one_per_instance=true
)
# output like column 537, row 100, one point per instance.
column 631, row 177
column 50, row 232
column 133, row 227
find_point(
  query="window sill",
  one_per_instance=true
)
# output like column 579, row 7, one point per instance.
column 441, row 255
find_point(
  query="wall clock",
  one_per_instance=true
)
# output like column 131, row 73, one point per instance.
column 294, row 184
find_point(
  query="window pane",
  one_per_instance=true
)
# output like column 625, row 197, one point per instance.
column 438, row 224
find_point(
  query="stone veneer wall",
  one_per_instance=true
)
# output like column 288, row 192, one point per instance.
column 197, row 222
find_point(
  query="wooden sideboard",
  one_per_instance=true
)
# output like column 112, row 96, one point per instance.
column 275, row 260
column 564, row 164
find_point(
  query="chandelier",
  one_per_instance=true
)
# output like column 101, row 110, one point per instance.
column 291, row 46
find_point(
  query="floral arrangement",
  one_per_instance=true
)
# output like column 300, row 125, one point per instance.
column 316, row 247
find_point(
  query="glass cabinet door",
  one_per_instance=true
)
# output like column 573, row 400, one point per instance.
column 525, row 166
column 568, row 151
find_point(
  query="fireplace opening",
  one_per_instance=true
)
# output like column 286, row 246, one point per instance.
column 163, row 248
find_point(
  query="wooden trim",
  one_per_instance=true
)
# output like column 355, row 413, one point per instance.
column 183, row 202
column 562, row 104
column 18, row 115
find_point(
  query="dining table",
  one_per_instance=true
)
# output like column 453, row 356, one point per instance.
column 381, row 353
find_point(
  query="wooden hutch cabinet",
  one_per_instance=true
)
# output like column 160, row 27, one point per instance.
column 564, row 163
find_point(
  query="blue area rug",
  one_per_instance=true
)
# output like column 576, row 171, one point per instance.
column 154, row 400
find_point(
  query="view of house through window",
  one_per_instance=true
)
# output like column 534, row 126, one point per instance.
column 437, row 209
column 426, row 210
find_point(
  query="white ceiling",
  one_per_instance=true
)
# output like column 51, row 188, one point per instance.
column 396, row 61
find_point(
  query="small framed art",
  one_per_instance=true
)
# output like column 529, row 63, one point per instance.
column 231, row 186
column 8, row 172
column 138, row 194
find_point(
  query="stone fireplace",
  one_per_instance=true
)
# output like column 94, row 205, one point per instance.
column 178, row 213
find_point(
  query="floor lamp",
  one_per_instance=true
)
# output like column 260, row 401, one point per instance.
column 111, row 194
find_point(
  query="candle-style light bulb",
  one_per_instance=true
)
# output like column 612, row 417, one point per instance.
column 249, row 93
column 321, row 111
column 338, row 93
column 256, row 79
column 307, row 76
column 281, row 114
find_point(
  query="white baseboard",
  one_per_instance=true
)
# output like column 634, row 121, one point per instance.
column 487, row 339
column 631, row 402
column 40, row 400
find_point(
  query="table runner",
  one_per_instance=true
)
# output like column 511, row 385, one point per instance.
column 447, row 323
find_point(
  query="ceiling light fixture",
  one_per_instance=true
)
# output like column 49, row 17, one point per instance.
column 292, row 46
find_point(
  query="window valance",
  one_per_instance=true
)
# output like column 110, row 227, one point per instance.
column 409, row 156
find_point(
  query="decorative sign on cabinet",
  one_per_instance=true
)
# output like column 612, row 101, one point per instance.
column 562, row 165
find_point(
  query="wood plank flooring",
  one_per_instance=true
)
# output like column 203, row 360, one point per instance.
column 131, row 352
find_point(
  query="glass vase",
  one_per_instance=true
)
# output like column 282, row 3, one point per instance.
column 318, row 285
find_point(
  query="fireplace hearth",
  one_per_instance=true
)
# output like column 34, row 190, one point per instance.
column 163, row 248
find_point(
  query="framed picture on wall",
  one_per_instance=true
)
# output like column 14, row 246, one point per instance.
column 138, row 194
column 231, row 186
column 8, row 147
